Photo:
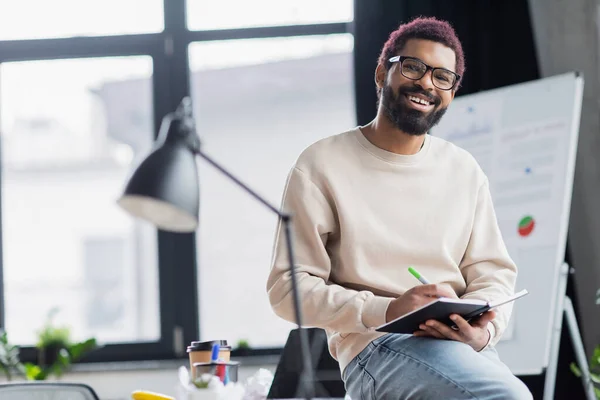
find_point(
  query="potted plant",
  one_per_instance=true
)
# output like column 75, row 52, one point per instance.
column 56, row 351
column 51, row 340
column 9, row 357
column 243, row 346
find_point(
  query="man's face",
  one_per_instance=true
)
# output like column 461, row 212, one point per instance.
column 402, row 98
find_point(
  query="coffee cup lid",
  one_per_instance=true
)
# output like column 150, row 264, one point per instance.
column 204, row 364
column 204, row 346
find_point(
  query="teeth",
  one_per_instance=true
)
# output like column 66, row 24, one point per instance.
column 418, row 100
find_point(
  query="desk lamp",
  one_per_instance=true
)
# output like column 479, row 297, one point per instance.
column 164, row 190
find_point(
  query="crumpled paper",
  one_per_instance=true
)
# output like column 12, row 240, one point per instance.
column 255, row 388
column 258, row 385
column 214, row 390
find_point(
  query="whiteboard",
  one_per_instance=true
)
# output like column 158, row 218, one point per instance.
column 524, row 137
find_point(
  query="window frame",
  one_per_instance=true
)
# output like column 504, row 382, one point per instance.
column 177, row 259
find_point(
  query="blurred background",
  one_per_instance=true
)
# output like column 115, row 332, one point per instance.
column 83, row 88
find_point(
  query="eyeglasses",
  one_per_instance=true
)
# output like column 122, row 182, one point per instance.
column 415, row 69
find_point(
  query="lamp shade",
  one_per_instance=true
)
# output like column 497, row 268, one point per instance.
column 164, row 188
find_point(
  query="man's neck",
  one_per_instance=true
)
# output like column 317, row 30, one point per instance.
column 384, row 135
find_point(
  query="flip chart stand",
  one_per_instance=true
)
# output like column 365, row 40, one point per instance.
column 565, row 310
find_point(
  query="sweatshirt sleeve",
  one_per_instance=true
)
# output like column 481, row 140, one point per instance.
column 324, row 304
column 487, row 268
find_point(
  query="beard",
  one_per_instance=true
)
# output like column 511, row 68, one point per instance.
column 406, row 119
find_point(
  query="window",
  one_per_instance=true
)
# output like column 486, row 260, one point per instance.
column 69, row 137
column 209, row 14
column 37, row 19
column 258, row 104
column 79, row 111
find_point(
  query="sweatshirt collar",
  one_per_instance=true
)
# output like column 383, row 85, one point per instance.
column 389, row 156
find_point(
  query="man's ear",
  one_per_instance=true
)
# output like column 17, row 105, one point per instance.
column 380, row 75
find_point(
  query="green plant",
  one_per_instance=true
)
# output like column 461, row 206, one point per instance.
column 56, row 351
column 51, row 335
column 594, row 370
column 243, row 344
column 9, row 357
column 594, row 363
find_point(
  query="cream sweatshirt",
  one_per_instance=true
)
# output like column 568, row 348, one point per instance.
column 363, row 215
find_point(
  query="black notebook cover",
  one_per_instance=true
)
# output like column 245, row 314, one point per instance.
column 440, row 310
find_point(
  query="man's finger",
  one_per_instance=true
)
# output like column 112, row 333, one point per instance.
column 461, row 324
column 484, row 318
column 444, row 330
column 434, row 290
column 431, row 331
column 420, row 333
column 425, row 335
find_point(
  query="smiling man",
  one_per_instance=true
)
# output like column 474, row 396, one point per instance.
column 369, row 203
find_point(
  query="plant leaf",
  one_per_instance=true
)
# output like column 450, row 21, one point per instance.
column 595, row 361
column 595, row 378
column 575, row 369
column 34, row 372
column 78, row 350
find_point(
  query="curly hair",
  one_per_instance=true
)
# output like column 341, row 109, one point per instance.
column 428, row 28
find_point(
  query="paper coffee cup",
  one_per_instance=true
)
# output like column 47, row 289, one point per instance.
column 200, row 352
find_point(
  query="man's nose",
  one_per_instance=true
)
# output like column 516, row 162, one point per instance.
column 426, row 81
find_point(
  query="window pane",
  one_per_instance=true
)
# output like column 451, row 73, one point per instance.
column 209, row 14
column 256, row 111
column 69, row 136
column 37, row 19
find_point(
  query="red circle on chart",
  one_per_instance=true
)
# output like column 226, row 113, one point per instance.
column 526, row 226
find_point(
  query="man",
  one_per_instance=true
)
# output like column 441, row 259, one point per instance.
column 369, row 203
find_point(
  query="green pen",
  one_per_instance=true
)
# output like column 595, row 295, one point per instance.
column 417, row 275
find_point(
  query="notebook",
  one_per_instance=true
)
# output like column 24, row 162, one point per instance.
column 441, row 309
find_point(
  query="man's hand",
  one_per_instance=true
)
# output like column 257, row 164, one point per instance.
column 475, row 334
column 416, row 297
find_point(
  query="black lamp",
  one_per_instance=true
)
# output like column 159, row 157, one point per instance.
column 164, row 190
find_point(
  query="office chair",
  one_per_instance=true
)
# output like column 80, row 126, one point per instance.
column 46, row 391
column 328, row 379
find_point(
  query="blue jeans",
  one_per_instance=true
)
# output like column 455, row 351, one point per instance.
column 397, row 366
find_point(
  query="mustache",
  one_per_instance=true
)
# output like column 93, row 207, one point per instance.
column 418, row 90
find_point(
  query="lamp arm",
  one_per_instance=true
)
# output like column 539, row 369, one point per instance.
column 307, row 377
column 282, row 215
